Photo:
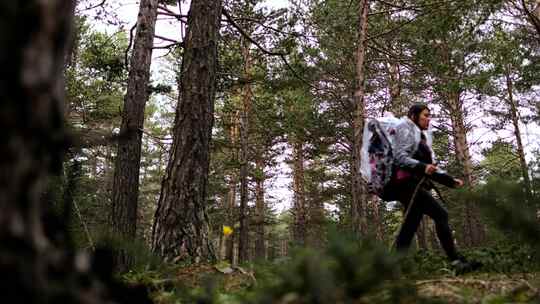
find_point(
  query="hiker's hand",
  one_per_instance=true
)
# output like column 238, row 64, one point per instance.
column 459, row 183
column 430, row 169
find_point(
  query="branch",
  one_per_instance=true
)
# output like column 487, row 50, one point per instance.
column 248, row 37
column 399, row 7
column 534, row 19
column 168, row 39
column 167, row 12
column 265, row 26
column 397, row 27
column 267, row 52
column 102, row 3
column 167, row 46
column 89, row 138
column 126, row 54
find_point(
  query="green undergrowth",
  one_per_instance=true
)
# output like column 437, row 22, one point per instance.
column 347, row 271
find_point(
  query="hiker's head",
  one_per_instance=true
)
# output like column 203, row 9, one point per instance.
column 420, row 114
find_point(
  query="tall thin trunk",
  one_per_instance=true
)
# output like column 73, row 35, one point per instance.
column 299, row 197
column 359, row 208
column 125, row 191
column 260, row 209
column 181, row 224
column 234, row 134
column 517, row 133
column 315, row 225
column 473, row 229
column 247, row 96
column 397, row 105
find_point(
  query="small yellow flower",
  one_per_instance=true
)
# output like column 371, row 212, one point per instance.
column 227, row 230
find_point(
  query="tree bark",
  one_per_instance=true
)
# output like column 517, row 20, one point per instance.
column 247, row 96
column 260, row 209
column 517, row 133
column 299, row 197
column 33, row 40
column 233, row 183
column 181, row 224
column 34, row 252
column 125, row 191
column 359, row 204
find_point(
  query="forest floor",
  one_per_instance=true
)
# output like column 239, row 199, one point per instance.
column 484, row 288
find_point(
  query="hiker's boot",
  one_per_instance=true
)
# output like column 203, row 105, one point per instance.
column 463, row 266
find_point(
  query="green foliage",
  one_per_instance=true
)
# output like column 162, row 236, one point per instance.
column 501, row 161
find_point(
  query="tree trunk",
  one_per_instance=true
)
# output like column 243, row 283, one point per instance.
column 316, row 216
column 421, row 234
column 233, row 183
column 358, row 208
column 397, row 105
column 34, row 252
column 473, row 229
column 260, row 207
column 517, row 133
column 125, row 191
column 181, row 223
column 299, row 198
column 244, row 161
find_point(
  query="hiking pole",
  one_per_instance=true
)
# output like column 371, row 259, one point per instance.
column 409, row 207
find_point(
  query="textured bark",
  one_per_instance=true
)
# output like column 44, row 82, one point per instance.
column 517, row 134
column 260, row 210
column 299, row 197
column 247, row 96
column 181, row 224
column 421, row 234
column 375, row 217
column 125, row 191
column 359, row 204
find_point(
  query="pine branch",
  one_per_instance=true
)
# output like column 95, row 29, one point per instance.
column 281, row 55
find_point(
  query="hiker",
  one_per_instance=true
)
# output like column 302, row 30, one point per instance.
column 413, row 164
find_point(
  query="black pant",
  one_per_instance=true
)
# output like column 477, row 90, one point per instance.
column 424, row 203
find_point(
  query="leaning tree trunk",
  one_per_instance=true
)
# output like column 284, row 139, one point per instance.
column 38, row 262
column 517, row 133
column 359, row 204
column 125, row 191
column 181, row 223
column 244, row 161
